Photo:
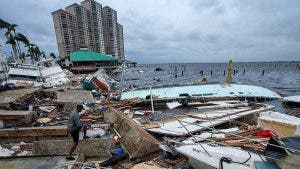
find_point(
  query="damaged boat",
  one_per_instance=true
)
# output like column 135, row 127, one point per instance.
column 209, row 156
column 45, row 73
column 203, row 92
column 292, row 101
column 198, row 118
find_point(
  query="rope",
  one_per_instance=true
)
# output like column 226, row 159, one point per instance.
column 229, row 160
column 248, row 139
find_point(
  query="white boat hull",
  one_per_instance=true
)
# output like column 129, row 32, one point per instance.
column 203, row 91
column 199, row 159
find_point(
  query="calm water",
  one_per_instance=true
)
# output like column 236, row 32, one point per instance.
column 281, row 77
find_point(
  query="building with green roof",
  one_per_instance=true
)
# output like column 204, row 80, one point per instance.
column 86, row 60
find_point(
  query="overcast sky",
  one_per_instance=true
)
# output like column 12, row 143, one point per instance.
column 174, row 31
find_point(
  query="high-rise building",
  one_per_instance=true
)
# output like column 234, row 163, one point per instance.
column 81, row 28
column 120, row 40
column 97, row 42
column 88, row 26
column 64, row 30
column 110, row 31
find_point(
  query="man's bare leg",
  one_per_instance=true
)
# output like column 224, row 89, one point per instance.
column 72, row 148
column 84, row 131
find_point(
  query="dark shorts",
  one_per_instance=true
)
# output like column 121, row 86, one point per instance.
column 75, row 135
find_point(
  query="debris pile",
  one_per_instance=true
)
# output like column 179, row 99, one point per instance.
column 137, row 132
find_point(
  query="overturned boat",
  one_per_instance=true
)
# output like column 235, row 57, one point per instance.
column 292, row 101
column 204, row 92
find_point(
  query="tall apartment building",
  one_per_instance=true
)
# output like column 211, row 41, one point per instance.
column 120, row 40
column 81, row 29
column 110, row 31
column 64, row 31
column 88, row 26
column 95, row 24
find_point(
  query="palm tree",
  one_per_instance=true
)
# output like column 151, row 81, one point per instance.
column 34, row 52
column 22, row 55
column 11, row 40
column 22, row 38
column 4, row 24
column 31, row 51
column 37, row 53
column 10, row 36
column 52, row 55
column 43, row 55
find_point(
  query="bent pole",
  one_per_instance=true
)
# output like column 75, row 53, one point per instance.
column 192, row 136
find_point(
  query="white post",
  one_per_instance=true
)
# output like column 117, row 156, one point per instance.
column 152, row 107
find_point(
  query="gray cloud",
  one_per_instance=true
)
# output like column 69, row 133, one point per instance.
column 180, row 31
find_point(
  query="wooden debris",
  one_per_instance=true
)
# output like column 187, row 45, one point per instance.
column 34, row 131
column 79, row 160
column 47, row 108
column 54, row 114
column 150, row 125
column 44, row 120
column 16, row 118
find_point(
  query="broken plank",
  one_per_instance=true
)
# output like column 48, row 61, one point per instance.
column 15, row 115
column 34, row 131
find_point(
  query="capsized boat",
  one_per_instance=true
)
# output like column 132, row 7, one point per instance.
column 203, row 91
column 292, row 101
column 206, row 91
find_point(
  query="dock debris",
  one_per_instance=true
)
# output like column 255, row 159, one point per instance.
column 157, row 129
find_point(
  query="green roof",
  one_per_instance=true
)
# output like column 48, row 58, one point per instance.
column 86, row 55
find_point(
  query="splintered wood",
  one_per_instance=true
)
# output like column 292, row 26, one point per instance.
column 122, row 105
column 245, row 139
column 60, row 131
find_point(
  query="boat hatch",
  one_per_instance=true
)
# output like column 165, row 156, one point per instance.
column 208, row 94
column 184, row 95
column 148, row 97
column 197, row 95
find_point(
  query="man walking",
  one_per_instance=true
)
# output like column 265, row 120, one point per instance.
column 74, row 126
